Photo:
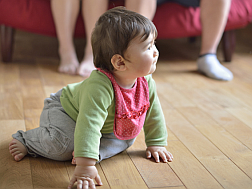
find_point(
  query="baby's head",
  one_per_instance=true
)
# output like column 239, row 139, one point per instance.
column 113, row 33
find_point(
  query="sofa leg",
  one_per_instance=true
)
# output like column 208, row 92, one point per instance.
column 228, row 44
column 7, row 39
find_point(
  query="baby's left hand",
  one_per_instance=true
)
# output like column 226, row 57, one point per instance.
column 159, row 151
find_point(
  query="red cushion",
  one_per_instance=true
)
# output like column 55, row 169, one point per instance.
column 172, row 20
column 35, row 16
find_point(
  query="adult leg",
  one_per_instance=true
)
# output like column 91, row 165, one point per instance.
column 91, row 11
column 91, row 14
column 144, row 7
column 214, row 16
column 65, row 13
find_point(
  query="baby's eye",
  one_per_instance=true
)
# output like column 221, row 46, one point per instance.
column 150, row 46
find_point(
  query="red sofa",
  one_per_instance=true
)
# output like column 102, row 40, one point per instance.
column 172, row 21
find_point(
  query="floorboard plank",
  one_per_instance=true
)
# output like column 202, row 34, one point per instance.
column 233, row 125
column 13, row 174
column 209, row 122
column 222, row 168
column 244, row 114
column 32, row 118
column 11, row 106
column 238, row 153
column 155, row 175
column 122, row 173
column 175, row 98
column 48, row 173
column 190, row 171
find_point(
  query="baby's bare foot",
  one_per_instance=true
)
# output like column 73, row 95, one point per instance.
column 17, row 150
column 86, row 66
column 68, row 62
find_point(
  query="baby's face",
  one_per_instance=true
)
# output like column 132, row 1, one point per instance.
column 142, row 56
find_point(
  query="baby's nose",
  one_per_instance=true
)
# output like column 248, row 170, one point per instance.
column 155, row 52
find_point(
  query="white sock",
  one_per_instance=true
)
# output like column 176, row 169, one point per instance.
column 211, row 67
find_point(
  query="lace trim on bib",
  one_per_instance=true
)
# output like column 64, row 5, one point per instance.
column 133, row 114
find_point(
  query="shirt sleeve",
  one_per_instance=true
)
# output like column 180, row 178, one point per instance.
column 94, row 101
column 154, row 127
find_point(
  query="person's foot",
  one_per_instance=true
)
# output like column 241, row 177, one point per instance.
column 86, row 66
column 68, row 62
column 17, row 150
column 210, row 66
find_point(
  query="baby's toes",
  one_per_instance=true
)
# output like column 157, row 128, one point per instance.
column 18, row 157
column 14, row 153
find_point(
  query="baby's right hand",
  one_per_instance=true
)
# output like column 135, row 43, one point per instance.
column 84, row 176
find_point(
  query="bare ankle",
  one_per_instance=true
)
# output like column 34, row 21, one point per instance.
column 86, row 66
column 17, row 150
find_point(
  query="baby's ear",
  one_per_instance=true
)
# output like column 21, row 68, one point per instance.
column 118, row 62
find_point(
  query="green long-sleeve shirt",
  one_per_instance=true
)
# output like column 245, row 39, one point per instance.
column 91, row 104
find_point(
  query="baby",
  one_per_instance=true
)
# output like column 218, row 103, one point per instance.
column 102, row 115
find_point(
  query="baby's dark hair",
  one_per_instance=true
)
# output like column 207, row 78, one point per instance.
column 113, row 32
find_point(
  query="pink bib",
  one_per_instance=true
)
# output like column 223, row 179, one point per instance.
column 131, row 106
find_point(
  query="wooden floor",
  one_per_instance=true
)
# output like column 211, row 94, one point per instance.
column 209, row 122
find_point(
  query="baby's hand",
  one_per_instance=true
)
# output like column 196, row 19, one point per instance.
column 157, row 151
column 84, row 176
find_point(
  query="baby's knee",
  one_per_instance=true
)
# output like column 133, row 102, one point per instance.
column 55, row 143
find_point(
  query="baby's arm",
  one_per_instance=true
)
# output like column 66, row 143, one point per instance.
column 159, row 151
column 84, row 173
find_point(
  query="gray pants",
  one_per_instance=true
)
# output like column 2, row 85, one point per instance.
column 54, row 139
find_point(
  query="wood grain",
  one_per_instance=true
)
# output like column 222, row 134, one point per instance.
column 209, row 122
